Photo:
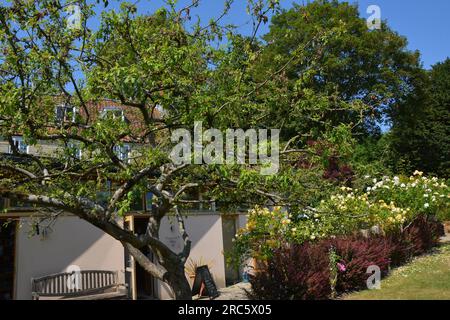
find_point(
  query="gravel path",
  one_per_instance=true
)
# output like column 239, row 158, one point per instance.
column 235, row 292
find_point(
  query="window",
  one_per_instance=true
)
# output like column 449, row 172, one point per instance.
column 122, row 151
column 74, row 150
column 13, row 203
column 112, row 113
column 20, row 144
column 137, row 202
column 141, row 203
column 65, row 113
column 148, row 201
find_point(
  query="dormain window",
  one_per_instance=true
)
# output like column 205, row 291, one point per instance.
column 122, row 151
column 20, row 145
column 112, row 113
column 74, row 150
column 64, row 113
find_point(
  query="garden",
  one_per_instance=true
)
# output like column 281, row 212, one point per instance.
column 333, row 248
column 93, row 104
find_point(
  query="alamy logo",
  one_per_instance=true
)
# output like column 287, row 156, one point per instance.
column 74, row 280
column 240, row 146
column 74, row 17
column 374, row 20
column 374, row 281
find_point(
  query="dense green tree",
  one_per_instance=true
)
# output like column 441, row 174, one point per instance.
column 358, row 66
column 420, row 137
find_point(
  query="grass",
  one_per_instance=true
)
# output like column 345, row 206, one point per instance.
column 425, row 278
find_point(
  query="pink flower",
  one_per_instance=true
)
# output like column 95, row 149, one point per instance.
column 341, row 267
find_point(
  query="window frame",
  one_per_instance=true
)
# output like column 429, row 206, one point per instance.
column 113, row 110
column 65, row 116
column 17, row 141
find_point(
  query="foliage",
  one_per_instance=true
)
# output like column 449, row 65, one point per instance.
column 386, row 206
column 420, row 133
column 359, row 66
column 294, row 273
column 319, row 270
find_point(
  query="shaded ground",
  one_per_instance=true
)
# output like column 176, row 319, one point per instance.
column 425, row 278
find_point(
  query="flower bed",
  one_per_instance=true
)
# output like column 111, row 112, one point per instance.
column 306, row 271
column 382, row 222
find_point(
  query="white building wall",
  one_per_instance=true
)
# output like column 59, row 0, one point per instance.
column 72, row 242
column 205, row 232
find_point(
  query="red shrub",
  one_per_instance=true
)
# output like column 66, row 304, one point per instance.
column 298, row 272
column 417, row 238
column 357, row 255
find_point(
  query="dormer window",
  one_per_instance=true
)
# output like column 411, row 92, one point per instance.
column 65, row 113
column 122, row 151
column 20, row 145
column 112, row 113
column 74, row 150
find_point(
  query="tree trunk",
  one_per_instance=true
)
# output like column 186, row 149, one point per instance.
column 176, row 279
column 170, row 271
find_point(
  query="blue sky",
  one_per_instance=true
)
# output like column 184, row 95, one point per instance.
column 425, row 23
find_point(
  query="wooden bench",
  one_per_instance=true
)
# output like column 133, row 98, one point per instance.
column 92, row 285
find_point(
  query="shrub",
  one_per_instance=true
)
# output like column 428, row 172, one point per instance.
column 416, row 238
column 302, row 272
column 357, row 254
column 298, row 272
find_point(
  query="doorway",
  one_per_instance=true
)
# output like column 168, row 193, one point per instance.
column 7, row 257
column 145, row 282
column 229, row 228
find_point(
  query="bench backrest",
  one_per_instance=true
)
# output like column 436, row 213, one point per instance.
column 77, row 283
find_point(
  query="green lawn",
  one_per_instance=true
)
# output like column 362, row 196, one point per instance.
column 425, row 278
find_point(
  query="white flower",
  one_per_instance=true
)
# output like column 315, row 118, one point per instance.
column 402, row 185
column 426, row 205
column 396, row 181
column 374, row 181
column 418, row 173
column 366, row 177
column 369, row 189
column 425, row 195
